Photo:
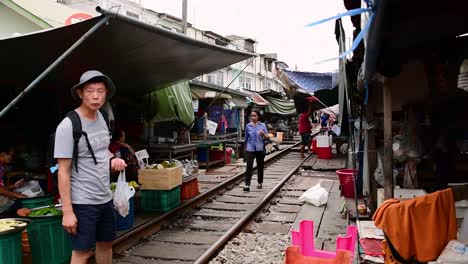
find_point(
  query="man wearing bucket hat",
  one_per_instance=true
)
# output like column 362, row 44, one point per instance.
column 83, row 176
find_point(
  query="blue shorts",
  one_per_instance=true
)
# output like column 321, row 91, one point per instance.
column 96, row 223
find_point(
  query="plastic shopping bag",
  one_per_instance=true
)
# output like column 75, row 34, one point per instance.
column 122, row 194
column 316, row 195
column 30, row 188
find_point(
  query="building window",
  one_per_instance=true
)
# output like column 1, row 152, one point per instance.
column 131, row 14
column 245, row 82
column 269, row 66
column 216, row 78
column 267, row 85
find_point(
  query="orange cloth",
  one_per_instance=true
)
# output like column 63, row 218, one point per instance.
column 420, row 228
column 294, row 256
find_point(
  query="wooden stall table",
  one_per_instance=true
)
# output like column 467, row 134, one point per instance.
column 171, row 151
column 232, row 138
column 206, row 145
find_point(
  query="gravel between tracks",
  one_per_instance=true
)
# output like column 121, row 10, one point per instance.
column 253, row 248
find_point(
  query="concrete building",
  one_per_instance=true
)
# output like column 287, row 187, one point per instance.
column 259, row 74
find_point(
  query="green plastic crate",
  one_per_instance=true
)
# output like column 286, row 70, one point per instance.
column 37, row 201
column 11, row 248
column 49, row 242
column 160, row 201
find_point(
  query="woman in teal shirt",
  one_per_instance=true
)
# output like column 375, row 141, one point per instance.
column 255, row 135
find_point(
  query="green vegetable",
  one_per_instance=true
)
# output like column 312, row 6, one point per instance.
column 51, row 210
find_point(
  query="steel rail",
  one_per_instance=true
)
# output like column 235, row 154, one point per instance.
column 133, row 237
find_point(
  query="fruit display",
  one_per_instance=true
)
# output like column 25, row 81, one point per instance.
column 163, row 165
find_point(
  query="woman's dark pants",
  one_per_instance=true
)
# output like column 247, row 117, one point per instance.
column 251, row 155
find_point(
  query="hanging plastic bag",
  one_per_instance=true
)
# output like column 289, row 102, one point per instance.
column 122, row 194
column 316, row 195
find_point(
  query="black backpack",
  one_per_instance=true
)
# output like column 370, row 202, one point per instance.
column 77, row 134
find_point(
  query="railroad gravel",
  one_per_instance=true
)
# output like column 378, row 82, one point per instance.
column 254, row 248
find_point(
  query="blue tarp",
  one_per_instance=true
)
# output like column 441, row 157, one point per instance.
column 313, row 81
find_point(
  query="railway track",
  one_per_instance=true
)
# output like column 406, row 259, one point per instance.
column 197, row 230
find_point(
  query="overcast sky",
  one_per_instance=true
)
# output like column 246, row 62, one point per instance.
column 277, row 25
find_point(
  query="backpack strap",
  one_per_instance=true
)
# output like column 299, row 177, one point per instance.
column 77, row 133
column 105, row 115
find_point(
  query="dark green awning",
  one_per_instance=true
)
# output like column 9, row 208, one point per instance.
column 280, row 106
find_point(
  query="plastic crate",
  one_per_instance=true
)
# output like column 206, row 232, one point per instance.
column 189, row 190
column 124, row 223
column 48, row 240
column 217, row 154
column 160, row 201
column 11, row 248
column 34, row 202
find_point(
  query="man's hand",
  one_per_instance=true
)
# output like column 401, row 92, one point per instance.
column 118, row 164
column 69, row 222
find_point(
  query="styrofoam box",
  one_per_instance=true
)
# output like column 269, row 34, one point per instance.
column 323, row 141
column 402, row 194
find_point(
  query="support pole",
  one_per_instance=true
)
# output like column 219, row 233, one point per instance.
column 184, row 16
column 54, row 65
column 388, row 149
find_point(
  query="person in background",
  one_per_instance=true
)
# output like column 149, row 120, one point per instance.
column 336, row 129
column 8, row 202
column 305, row 129
column 323, row 120
column 121, row 149
column 255, row 135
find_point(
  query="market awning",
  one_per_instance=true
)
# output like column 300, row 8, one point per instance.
column 257, row 99
column 280, row 106
column 408, row 29
column 332, row 111
column 237, row 102
column 173, row 103
column 198, row 93
column 311, row 81
column 139, row 57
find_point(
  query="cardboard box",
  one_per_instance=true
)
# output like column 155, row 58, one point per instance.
column 160, row 179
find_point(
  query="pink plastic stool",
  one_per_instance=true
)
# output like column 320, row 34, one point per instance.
column 304, row 238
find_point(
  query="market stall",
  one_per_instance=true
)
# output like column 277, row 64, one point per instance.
column 219, row 120
column 28, row 116
column 409, row 126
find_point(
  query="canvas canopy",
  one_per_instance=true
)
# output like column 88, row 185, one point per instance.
column 173, row 103
column 280, row 106
column 139, row 57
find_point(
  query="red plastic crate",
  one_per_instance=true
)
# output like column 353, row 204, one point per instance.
column 189, row 189
column 218, row 155
column 324, row 153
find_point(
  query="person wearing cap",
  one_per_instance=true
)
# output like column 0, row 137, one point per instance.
column 88, row 213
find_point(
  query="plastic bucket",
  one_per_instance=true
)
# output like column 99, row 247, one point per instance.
column 48, row 240
column 346, row 177
column 279, row 136
column 34, row 202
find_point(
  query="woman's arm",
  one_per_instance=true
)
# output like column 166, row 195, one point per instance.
column 246, row 138
column 7, row 193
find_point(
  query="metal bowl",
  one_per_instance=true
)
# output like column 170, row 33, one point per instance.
column 16, row 229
